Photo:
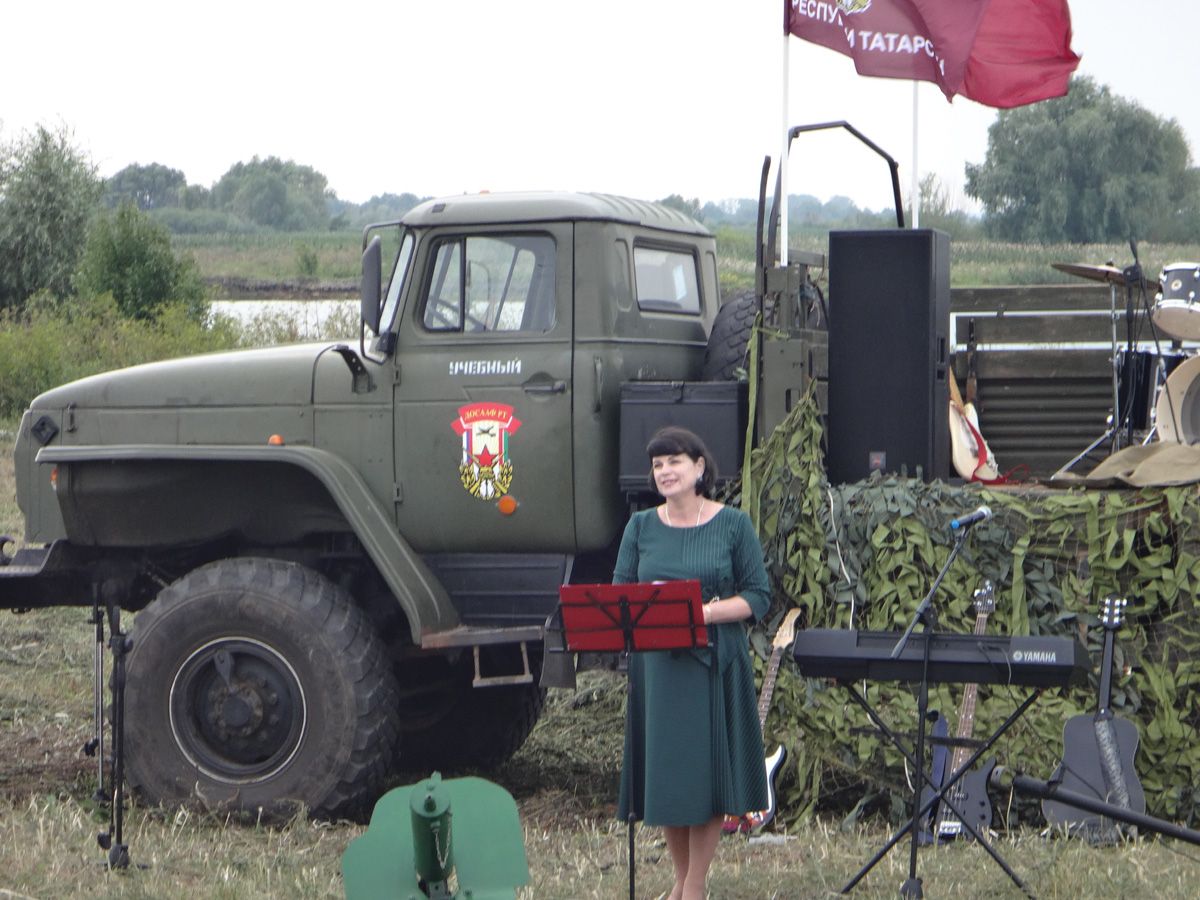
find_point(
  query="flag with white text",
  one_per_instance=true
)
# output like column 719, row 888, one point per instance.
column 1001, row 53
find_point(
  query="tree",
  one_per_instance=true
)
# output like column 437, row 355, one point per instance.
column 147, row 187
column 1087, row 167
column 275, row 194
column 48, row 192
column 678, row 203
column 129, row 255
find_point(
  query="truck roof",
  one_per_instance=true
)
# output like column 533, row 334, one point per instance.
column 547, row 206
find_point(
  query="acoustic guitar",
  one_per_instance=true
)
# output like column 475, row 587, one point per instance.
column 969, row 793
column 1098, row 752
column 757, row 820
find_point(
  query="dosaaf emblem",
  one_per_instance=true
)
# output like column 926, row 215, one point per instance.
column 485, row 428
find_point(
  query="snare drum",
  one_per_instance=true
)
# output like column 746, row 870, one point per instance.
column 1177, row 309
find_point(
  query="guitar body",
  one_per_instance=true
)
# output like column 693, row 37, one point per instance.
column 1086, row 768
column 756, row 821
column 1082, row 771
column 970, row 796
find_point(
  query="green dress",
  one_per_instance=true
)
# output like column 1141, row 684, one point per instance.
column 693, row 746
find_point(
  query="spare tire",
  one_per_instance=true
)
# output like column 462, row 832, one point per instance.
column 730, row 338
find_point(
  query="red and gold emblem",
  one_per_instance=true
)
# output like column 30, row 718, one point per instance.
column 485, row 428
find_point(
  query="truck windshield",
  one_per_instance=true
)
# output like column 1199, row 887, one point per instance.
column 396, row 285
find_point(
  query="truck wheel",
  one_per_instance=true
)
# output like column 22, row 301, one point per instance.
column 478, row 727
column 729, row 338
column 257, row 685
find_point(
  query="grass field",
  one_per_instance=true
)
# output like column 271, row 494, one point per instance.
column 274, row 257
column 564, row 779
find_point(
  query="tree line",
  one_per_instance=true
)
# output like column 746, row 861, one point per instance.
column 1088, row 167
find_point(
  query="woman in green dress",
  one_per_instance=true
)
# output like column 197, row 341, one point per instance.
column 693, row 748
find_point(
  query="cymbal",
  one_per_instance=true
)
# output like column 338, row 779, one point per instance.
column 1109, row 274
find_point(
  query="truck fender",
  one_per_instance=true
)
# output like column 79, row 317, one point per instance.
column 421, row 596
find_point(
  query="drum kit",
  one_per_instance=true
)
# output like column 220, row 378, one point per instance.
column 1156, row 395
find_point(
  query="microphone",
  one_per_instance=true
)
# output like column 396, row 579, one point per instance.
column 980, row 515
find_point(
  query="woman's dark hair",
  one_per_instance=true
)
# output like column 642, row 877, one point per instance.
column 672, row 440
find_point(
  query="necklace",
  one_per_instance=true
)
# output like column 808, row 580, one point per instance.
column 667, row 513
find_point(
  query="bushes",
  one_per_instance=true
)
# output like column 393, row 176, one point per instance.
column 130, row 256
column 56, row 342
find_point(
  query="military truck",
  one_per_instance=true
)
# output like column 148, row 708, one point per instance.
column 342, row 558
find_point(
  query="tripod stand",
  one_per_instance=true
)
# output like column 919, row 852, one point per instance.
column 1125, row 373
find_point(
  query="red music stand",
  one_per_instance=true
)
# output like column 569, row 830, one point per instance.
column 617, row 618
column 623, row 618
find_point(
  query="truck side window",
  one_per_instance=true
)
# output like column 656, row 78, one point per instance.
column 666, row 280
column 399, row 273
column 491, row 283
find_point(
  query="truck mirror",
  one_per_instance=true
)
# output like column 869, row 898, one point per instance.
column 371, row 287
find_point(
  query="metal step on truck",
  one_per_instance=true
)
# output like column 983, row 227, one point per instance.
column 342, row 558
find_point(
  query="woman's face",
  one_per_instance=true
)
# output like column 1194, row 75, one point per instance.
column 676, row 474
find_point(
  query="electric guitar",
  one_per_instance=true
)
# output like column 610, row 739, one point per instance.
column 972, row 457
column 969, row 793
column 1098, row 752
column 756, row 821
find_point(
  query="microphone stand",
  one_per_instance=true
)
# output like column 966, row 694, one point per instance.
column 926, row 615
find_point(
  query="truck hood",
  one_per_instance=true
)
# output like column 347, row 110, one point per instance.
column 276, row 376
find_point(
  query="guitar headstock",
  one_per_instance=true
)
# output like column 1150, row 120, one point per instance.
column 787, row 629
column 1112, row 611
column 985, row 598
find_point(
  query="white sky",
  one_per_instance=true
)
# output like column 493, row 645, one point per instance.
column 638, row 97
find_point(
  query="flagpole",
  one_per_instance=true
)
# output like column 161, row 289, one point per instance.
column 916, row 187
column 783, row 164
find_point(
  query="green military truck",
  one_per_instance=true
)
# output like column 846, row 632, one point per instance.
column 342, row 557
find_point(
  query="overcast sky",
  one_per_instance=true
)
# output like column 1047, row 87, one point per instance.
column 638, row 97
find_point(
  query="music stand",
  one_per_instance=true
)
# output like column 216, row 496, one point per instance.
column 623, row 618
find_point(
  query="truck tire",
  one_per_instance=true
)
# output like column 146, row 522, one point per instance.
column 256, row 685
column 729, row 338
column 478, row 727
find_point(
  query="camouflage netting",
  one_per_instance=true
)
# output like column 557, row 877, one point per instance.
column 863, row 555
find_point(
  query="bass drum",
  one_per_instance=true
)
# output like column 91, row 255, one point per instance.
column 1177, row 309
column 1177, row 413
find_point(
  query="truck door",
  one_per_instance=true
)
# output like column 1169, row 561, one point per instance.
column 483, row 393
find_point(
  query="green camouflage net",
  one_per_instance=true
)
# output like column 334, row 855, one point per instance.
column 863, row 555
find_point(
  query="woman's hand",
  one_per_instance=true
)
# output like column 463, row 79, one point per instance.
column 729, row 609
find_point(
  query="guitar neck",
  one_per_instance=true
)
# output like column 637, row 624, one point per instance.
column 966, row 715
column 1105, row 710
column 768, row 688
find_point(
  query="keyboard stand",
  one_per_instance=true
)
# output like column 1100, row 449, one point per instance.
column 912, row 887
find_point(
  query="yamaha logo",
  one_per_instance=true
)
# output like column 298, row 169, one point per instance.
column 1034, row 656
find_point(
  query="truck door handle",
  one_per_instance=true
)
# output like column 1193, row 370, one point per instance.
column 544, row 387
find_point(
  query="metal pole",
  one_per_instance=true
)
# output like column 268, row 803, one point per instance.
column 916, row 187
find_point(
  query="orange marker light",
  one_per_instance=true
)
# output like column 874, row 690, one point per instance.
column 507, row 505
column 275, row 440
column 54, row 479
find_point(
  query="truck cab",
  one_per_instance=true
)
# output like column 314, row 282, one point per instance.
column 341, row 557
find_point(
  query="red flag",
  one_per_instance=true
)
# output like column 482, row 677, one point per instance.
column 997, row 52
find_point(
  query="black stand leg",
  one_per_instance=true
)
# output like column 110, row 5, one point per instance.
column 632, row 818
column 95, row 747
column 113, row 840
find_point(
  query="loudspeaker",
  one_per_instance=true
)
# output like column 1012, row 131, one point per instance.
column 889, row 323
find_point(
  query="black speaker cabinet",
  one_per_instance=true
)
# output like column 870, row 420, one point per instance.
column 889, row 322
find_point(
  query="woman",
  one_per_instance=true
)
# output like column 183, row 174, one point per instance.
column 693, row 750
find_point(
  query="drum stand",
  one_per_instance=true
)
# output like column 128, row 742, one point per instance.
column 1117, row 420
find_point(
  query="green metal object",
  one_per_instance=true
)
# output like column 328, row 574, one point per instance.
column 439, row 840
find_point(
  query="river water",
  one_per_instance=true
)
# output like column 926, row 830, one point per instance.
column 309, row 318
